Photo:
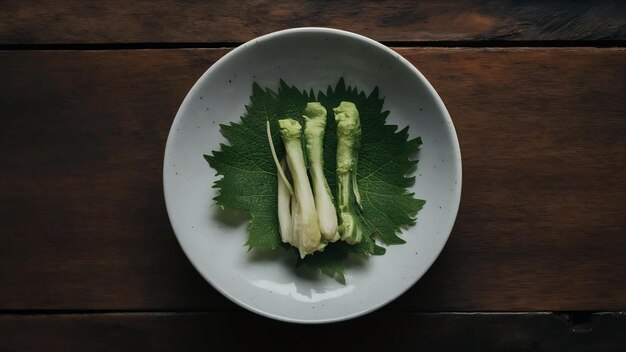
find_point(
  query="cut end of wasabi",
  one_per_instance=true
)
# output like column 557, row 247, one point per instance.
column 290, row 128
column 315, row 111
column 347, row 117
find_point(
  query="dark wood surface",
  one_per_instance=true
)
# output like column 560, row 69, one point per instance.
column 537, row 92
column 541, row 224
column 236, row 330
column 53, row 21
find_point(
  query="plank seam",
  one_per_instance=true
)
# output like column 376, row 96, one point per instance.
column 399, row 44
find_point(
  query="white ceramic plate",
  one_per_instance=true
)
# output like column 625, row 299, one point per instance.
column 214, row 240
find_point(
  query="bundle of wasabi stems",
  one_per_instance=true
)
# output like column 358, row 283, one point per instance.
column 306, row 212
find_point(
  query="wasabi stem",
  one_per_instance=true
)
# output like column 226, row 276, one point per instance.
column 315, row 125
column 280, row 169
column 348, row 197
column 284, row 207
column 305, row 232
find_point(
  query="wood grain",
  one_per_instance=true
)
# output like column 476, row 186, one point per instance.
column 541, row 225
column 401, row 332
column 51, row 21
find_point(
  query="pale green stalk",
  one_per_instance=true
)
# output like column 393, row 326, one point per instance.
column 284, row 207
column 348, row 198
column 315, row 125
column 305, row 227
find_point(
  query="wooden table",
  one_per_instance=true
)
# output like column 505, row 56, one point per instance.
column 537, row 258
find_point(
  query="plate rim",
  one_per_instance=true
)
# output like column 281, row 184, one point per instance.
column 332, row 31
